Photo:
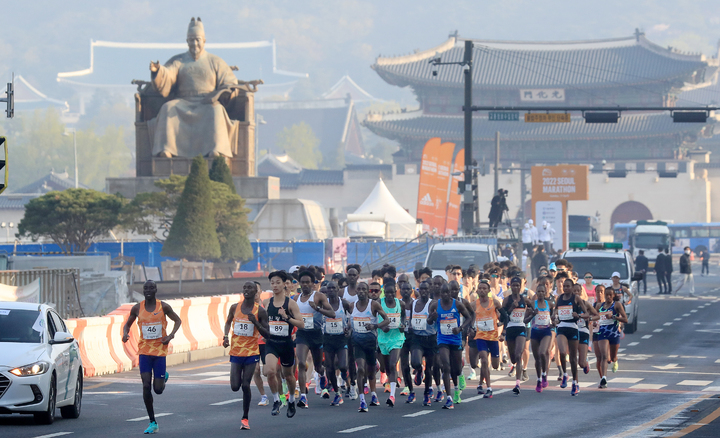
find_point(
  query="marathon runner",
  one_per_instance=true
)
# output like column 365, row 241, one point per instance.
column 153, row 343
column 567, row 312
column 350, row 295
column 611, row 314
column 364, row 335
column 406, row 291
column 282, row 313
column 391, row 338
column 335, row 341
column 313, row 307
column 248, row 320
column 424, row 339
column 257, row 376
column 541, row 334
column 515, row 332
column 487, row 310
column 449, row 339
column 584, row 331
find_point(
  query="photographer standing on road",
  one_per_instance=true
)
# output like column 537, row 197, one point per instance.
column 498, row 206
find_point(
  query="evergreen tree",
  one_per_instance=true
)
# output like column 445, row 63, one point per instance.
column 220, row 172
column 232, row 224
column 193, row 233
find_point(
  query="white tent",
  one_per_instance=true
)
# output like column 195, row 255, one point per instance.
column 385, row 217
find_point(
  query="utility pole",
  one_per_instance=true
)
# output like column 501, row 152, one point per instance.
column 497, row 162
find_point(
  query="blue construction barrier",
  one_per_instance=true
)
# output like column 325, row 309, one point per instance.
column 283, row 255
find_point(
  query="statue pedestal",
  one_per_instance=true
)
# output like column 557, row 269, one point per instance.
column 250, row 188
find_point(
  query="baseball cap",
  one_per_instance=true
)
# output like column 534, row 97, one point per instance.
column 293, row 269
column 552, row 267
column 615, row 274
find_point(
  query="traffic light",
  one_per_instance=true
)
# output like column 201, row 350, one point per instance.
column 3, row 164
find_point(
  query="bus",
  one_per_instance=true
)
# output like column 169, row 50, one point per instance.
column 699, row 236
column 580, row 229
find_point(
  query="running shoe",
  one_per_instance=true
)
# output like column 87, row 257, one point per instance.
column 461, row 382
column 323, row 382
column 291, row 409
column 427, row 400
column 544, row 381
column 448, row 404
column 615, row 366
column 353, row 393
column 244, row 424
column 167, row 376
column 411, row 398
column 383, row 378
column 603, row 383
column 504, row 358
column 405, row 391
column 431, row 392
column 539, row 386
column 457, row 398
column 488, row 394
column 563, row 384
column 284, row 387
column 439, row 396
column 264, row 401
column 325, row 393
column 374, row 401
column 318, row 389
column 574, row 390
column 363, row 407
column 391, row 401
column 480, row 389
column 586, row 369
column 347, row 391
column 525, row 377
column 366, row 389
column 276, row 408
column 337, row 401
column 418, row 378
column 284, row 398
column 502, row 367
column 303, row 403
column 512, row 370
column 516, row 390
column 152, row 428
column 387, row 387
column 472, row 375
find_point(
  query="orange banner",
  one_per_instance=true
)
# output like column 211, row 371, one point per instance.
column 453, row 211
column 444, row 164
column 427, row 187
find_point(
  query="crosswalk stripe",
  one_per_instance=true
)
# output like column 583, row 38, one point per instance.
column 647, row 386
column 625, row 380
column 359, row 428
column 419, row 413
column 694, row 383
column 226, row 402
column 146, row 417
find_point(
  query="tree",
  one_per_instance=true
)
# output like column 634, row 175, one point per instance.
column 72, row 218
column 220, row 172
column 193, row 233
column 301, row 144
column 232, row 224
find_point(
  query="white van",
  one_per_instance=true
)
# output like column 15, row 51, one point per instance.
column 462, row 254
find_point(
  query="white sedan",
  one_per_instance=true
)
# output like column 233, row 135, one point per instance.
column 40, row 365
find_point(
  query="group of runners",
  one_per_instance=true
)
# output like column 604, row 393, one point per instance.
column 341, row 332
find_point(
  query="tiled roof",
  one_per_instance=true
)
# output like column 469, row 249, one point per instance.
column 276, row 165
column 16, row 201
column 48, row 183
column 311, row 177
column 509, row 65
column 450, row 128
column 346, row 86
column 706, row 94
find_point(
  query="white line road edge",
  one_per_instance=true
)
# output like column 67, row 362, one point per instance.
column 419, row 413
column 226, row 402
column 54, row 435
column 146, row 418
column 357, row 429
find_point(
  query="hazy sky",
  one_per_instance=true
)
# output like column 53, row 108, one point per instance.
column 330, row 38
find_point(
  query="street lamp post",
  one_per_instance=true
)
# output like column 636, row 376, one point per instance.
column 67, row 133
column 7, row 227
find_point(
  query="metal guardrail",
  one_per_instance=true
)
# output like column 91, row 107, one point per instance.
column 57, row 286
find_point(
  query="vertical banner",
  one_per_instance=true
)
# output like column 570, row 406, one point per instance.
column 428, row 184
column 444, row 164
column 452, row 220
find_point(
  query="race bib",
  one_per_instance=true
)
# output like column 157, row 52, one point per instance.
column 565, row 312
column 279, row 328
column 606, row 318
column 394, row 319
column 484, row 325
column 419, row 322
column 307, row 320
column 447, row 326
column 360, row 324
column 334, row 326
column 517, row 315
column 243, row 327
column 542, row 319
column 152, row 330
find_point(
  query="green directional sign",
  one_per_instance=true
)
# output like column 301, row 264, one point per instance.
column 503, row 116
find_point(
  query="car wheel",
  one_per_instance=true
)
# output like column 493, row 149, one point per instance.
column 48, row 416
column 73, row 411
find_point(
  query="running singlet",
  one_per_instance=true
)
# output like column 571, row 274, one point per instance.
column 542, row 319
column 360, row 319
column 419, row 322
column 447, row 321
column 608, row 326
column 582, row 324
column 336, row 326
column 312, row 318
column 395, row 316
column 408, row 315
column 153, row 327
column 279, row 328
column 486, row 322
column 352, row 299
column 590, row 293
column 565, row 309
column 517, row 316
column 245, row 335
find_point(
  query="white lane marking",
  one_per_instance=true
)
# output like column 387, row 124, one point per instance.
column 678, row 319
column 586, row 384
column 632, row 344
column 712, row 388
column 226, row 402
column 667, row 324
column 647, row 337
column 693, row 357
column 145, row 418
column 693, row 311
column 642, row 322
column 620, row 350
column 647, row 386
column 625, row 380
column 686, row 314
column 657, row 330
column 54, row 434
column 696, row 323
column 592, row 361
column 104, row 392
column 419, row 413
column 217, row 378
column 359, row 428
column 695, row 382
column 670, row 366
column 478, row 397
column 717, row 361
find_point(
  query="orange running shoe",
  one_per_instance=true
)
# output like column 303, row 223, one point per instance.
column 244, row 424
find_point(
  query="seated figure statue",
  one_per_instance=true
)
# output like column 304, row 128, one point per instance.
column 195, row 122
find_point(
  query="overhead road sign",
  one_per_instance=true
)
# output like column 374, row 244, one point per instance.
column 547, row 118
column 504, row 116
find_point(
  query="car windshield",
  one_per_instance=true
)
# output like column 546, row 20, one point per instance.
column 24, row 326
column 601, row 268
column 650, row 241
column 439, row 259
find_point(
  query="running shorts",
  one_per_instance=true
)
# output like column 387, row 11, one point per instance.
column 514, row 332
column 245, row 360
column 386, row 348
column 614, row 340
column 408, row 340
column 428, row 344
column 584, row 338
column 365, row 349
column 595, row 337
column 451, row 347
column 335, row 343
column 570, row 333
column 285, row 351
column 312, row 338
column 154, row 364
column 539, row 334
column 492, row 347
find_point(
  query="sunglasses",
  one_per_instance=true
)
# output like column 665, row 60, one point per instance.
column 494, row 276
column 588, row 276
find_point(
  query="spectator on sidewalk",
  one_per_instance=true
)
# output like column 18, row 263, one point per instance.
column 686, row 272
column 668, row 270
